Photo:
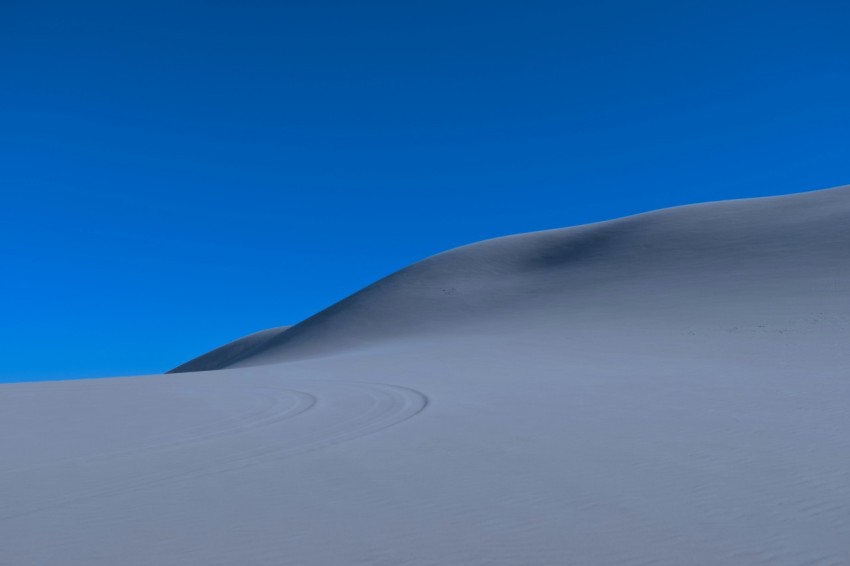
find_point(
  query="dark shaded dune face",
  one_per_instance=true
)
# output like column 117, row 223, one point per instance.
column 675, row 260
column 231, row 352
column 580, row 246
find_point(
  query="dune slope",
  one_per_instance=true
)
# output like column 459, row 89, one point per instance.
column 735, row 250
column 668, row 388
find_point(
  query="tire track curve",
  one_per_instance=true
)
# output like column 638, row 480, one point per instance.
column 276, row 436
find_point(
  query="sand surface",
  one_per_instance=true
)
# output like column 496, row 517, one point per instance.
column 670, row 388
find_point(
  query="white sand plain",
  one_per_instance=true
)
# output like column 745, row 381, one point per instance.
column 669, row 388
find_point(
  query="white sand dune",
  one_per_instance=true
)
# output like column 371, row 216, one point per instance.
column 669, row 388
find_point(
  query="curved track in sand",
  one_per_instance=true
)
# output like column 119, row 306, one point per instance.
column 283, row 422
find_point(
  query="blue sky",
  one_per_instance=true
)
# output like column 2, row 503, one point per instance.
column 177, row 174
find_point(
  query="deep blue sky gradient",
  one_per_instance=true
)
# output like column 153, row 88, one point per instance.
column 177, row 174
